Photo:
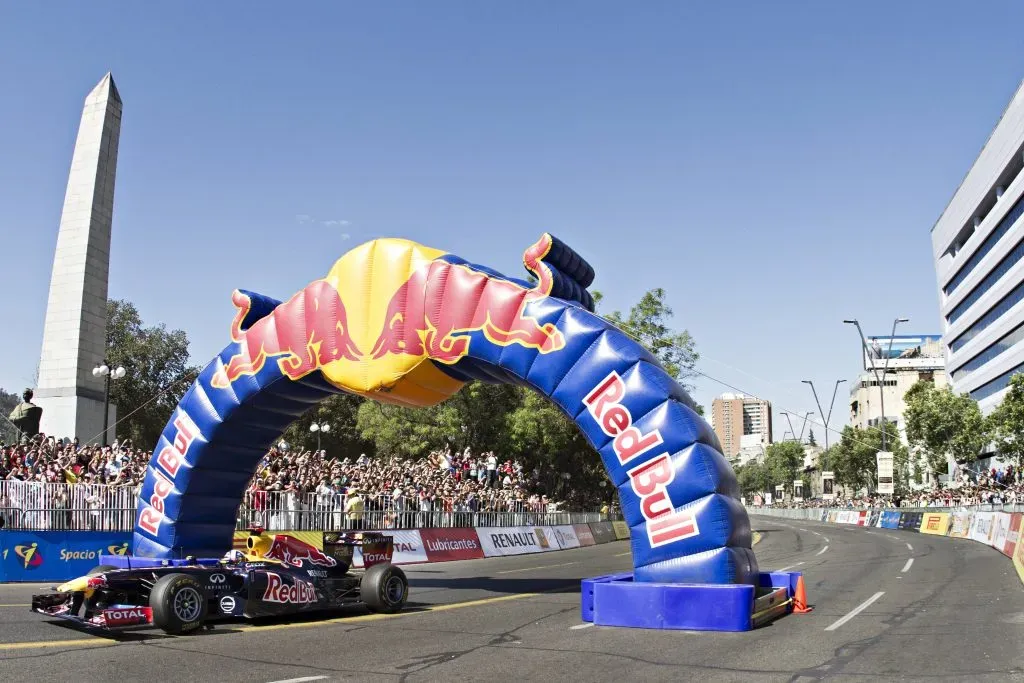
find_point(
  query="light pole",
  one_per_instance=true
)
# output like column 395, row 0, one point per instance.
column 830, row 406
column 874, row 369
column 791, row 430
column 321, row 428
column 282, row 445
column 103, row 370
column 809, row 413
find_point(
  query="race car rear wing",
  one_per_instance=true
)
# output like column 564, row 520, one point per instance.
column 341, row 546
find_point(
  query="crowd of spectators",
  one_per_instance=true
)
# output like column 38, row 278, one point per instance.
column 286, row 482
column 992, row 487
column 46, row 459
column 386, row 488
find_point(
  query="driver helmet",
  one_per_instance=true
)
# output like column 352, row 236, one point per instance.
column 234, row 556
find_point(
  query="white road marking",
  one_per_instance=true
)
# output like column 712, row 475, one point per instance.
column 580, row 627
column 857, row 610
column 822, row 551
column 301, row 680
column 906, row 567
column 816, row 533
column 789, row 567
column 826, row 539
column 910, row 547
column 804, row 530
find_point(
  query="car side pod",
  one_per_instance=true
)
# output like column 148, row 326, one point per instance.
column 617, row 600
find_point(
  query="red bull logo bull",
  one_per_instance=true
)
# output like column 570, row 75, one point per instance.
column 291, row 550
column 436, row 310
column 305, row 333
column 391, row 321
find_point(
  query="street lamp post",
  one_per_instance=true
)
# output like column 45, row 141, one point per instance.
column 104, row 370
column 807, row 415
column 791, row 430
column 830, row 406
column 874, row 369
column 321, row 428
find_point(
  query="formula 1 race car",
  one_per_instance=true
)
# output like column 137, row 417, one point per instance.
column 276, row 575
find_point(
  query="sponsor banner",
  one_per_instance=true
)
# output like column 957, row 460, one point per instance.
column 1018, row 554
column 56, row 555
column 935, row 523
column 602, row 531
column 408, row 547
column 566, row 536
column 443, row 545
column 584, row 534
column 832, row 517
column 1013, row 536
column 1000, row 530
column 516, row 540
column 981, row 527
column 889, row 519
column 862, row 518
column 910, row 520
column 961, row 525
column 874, row 518
column 824, row 515
column 621, row 530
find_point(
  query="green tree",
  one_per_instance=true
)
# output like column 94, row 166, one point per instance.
column 344, row 437
column 783, row 461
column 157, row 374
column 854, row 459
column 810, row 438
column 753, row 478
column 648, row 323
column 549, row 444
column 8, row 432
column 942, row 423
column 1007, row 422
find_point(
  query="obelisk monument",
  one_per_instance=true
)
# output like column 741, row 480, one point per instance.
column 74, row 334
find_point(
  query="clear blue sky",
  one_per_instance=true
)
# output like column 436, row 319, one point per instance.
column 776, row 167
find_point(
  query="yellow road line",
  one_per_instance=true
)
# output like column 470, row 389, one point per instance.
column 82, row 642
column 756, row 539
column 628, row 552
column 526, row 569
column 17, row 605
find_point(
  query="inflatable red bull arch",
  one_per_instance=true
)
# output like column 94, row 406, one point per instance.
column 399, row 322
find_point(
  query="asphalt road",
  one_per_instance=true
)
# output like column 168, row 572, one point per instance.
column 955, row 612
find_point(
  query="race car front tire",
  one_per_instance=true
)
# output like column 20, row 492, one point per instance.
column 179, row 604
column 384, row 588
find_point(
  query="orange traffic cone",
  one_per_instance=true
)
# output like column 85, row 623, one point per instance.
column 800, row 599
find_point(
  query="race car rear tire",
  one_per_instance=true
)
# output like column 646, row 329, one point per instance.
column 384, row 588
column 179, row 604
column 101, row 569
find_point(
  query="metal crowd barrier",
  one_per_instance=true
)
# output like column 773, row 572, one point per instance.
column 40, row 506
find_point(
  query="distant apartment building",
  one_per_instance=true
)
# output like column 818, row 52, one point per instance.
column 912, row 358
column 906, row 361
column 734, row 416
column 978, row 249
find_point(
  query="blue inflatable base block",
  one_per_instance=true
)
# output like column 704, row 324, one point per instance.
column 617, row 600
column 133, row 562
